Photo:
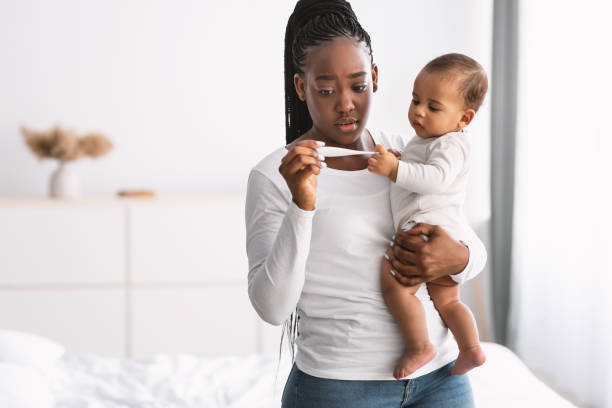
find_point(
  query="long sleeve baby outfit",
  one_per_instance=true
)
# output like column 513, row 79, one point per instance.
column 431, row 182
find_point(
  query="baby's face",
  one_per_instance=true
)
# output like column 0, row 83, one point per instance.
column 437, row 106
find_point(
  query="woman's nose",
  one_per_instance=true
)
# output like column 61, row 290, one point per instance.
column 345, row 102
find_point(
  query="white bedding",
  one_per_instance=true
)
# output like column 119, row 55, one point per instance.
column 184, row 381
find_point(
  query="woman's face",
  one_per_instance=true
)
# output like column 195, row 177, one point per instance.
column 337, row 86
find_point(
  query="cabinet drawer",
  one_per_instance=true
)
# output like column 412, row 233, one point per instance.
column 61, row 244
column 200, row 242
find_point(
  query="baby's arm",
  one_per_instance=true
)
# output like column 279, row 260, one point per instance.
column 446, row 161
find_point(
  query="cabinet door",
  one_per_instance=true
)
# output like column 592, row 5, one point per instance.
column 207, row 321
column 194, row 242
column 61, row 243
column 83, row 321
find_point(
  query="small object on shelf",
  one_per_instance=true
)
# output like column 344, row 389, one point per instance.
column 136, row 193
column 64, row 182
column 65, row 146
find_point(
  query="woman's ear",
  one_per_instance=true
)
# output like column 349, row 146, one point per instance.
column 299, row 87
column 374, row 77
column 466, row 118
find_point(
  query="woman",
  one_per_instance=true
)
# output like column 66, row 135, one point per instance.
column 316, row 228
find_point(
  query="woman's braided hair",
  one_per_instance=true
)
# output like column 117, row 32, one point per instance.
column 312, row 23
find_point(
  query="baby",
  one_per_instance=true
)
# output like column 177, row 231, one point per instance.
column 429, row 186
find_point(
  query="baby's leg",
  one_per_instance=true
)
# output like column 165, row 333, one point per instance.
column 445, row 294
column 409, row 314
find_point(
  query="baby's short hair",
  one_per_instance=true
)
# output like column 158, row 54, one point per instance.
column 474, row 84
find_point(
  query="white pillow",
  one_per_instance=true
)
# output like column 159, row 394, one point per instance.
column 28, row 349
column 23, row 387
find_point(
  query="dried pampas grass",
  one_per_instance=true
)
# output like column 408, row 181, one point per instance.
column 65, row 145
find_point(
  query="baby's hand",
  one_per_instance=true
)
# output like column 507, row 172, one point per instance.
column 384, row 163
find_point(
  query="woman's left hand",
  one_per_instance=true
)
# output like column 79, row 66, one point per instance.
column 415, row 260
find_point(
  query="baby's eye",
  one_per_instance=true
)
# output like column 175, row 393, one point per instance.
column 431, row 108
column 326, row 92
column 415, row 102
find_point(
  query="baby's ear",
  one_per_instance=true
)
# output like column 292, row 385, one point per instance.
column 466, row 118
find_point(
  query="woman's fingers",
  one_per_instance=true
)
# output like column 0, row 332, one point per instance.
column 405, row 256
column 300, row 150
column 307, row 147
column 423, row 228
column 407, row 242
column 398, row 277
column 406, row 274
column 300, row 157
column 299, row 163
column 308, row 171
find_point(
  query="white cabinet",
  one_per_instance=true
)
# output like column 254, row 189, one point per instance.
column 130, row 278
column 189, row 242
column 56, row 243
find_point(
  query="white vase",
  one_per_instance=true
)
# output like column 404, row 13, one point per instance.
column 64, row 183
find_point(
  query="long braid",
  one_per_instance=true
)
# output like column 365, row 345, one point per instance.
column 313, row 22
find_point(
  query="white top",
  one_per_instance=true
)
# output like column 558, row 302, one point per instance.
column 327, row 263
column 432, row 177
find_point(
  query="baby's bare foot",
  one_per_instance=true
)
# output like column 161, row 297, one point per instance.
column 413, row 359
column 468, row 359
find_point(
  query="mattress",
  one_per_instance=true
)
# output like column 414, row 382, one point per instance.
column 186, row 381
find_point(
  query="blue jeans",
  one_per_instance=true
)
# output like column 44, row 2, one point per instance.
column 438, row 389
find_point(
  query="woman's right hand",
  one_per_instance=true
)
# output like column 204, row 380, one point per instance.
column 300, row 168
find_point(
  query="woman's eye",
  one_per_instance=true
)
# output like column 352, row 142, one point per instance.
column 360, row 88
column 415, row 102
column 325, row 92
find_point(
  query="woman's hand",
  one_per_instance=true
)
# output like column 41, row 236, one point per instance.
column 416, row 260
column 300, row 167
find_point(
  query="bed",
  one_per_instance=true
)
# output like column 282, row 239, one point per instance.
column 38, row 373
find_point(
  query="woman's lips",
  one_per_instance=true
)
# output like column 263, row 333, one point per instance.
column 347, row 126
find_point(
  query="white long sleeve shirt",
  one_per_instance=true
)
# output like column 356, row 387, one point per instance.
column 327, row 263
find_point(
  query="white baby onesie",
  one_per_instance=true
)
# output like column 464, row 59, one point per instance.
column 431, row 182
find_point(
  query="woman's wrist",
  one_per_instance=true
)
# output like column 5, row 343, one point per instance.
column 306, row 205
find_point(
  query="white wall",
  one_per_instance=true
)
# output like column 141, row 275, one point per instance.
column 191, row 92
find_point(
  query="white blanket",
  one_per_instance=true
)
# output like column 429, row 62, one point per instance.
column 184, row 381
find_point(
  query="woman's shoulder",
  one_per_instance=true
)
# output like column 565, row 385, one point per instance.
column 389, row 140
column 268, row 166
